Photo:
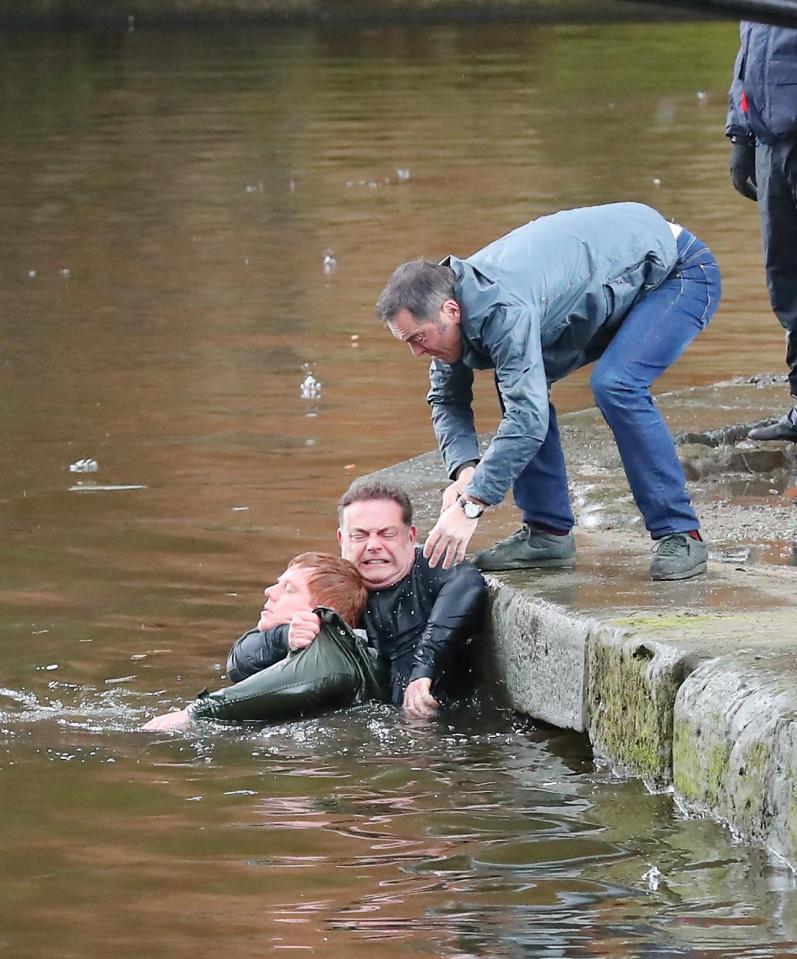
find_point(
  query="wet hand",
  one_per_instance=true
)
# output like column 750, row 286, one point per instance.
column 450, row 537
column 167, row 721
column 304, row 628
column 457, row 488
column 418, row 699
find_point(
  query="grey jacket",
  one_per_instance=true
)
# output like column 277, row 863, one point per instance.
column 537, row 304
column 766, row 71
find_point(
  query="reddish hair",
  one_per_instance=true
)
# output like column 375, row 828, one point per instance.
column 335, row 583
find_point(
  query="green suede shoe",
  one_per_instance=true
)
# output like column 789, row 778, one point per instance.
column 678, row 556
column 528, row 548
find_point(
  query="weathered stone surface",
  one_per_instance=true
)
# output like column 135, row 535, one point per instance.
column 630, row 700
column 735, row 747
column 540, row 657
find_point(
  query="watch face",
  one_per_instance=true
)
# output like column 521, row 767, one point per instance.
column 471, row 510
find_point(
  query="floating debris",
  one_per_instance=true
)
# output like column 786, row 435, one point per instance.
column 106, row 488
column 87, row 465
column 310, row 388
column 239, row 509
column 355, row 339
column 31, row 273
column 402, row 173
column 653, row 878
column 119, row 679
column 702, row 95
column 656, row 181
column 66, row 273
column 330, row 263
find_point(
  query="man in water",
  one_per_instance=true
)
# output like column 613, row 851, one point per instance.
column 417, row 617
column 616, row 285
column 314, row 600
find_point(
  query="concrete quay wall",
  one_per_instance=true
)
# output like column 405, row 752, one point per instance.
column 691, row 685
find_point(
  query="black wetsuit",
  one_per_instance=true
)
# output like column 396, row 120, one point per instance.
column 419, row 627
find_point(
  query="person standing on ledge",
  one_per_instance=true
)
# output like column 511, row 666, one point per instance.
column 616, row 285
column 762, row 128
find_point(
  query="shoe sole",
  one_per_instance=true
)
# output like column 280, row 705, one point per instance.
column 687, row 574
column 528, row 564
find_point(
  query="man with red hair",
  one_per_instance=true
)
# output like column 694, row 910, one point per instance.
column 327, row 665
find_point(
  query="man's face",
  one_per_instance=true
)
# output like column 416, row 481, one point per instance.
column 377, row 540
column 289, row 595
column 440, row 338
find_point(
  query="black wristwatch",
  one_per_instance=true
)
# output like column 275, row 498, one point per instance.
column 471, row 510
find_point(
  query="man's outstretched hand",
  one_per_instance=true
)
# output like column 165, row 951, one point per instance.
column 418, row 699
column 449, row 539
column 167, row 721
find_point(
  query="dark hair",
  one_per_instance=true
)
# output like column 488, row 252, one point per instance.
column 335, row 583
column 421, row 287
column 366, row 488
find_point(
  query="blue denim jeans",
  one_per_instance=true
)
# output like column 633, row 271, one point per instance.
column 651, row 337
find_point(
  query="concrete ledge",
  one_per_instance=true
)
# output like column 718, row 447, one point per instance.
column 537, row 639
column 735, row 748
column 692, row 683
column 631, row 699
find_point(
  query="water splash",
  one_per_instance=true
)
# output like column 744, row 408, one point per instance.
column 310, row 387
column 87, row 465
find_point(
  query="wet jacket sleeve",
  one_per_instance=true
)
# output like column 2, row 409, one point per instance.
column 511, row 334
column 256, row 650
column 451, row 397
column 456, row 612
column 737, row 124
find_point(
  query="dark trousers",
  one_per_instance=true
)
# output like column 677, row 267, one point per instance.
column 776, row 173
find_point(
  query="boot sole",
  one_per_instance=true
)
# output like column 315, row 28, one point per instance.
column 686, row 574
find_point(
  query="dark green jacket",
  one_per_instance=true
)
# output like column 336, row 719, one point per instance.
column 336, row 670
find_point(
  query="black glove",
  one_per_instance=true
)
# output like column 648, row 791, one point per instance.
column 743, row 169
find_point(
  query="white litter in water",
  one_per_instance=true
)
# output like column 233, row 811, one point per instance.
column 402, row 173
column 310, row 388
column 239, row 509
column 653, row 878
column 87, row 465
column 120, row 679
column 701, row 94
column 656, row 181
column 330, row 263
column 107, row 488
column 66, row 273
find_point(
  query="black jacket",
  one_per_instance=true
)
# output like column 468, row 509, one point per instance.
column 419, row 626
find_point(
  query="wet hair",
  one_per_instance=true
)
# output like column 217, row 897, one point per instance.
column 366, row 488
column 420, row 286
column 335, row 583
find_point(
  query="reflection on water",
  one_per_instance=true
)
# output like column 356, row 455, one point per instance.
column 473, row 836
column 195, row 229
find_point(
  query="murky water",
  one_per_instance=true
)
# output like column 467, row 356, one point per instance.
column 195, row 227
